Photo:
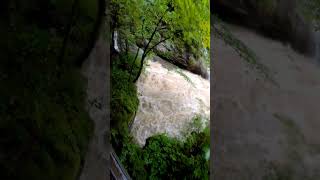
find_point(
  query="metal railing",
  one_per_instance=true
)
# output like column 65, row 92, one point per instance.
column 117, row 171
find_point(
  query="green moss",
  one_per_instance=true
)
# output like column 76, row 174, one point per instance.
column 124, row 102
column 44, row 127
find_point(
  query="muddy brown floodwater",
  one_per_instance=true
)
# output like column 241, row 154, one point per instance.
column 169, row 98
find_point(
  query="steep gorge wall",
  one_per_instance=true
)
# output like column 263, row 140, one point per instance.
column 258, row 125
column 277, row 19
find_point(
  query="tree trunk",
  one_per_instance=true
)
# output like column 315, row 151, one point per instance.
column 140, row 68
column 147, row 49
column 133, row 63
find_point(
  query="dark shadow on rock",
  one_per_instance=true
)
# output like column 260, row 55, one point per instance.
column 182, row 59
column 282, row 22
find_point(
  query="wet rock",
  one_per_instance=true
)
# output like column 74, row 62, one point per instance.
column 182, row 58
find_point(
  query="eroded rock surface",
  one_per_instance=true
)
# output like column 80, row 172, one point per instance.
column 262, row 131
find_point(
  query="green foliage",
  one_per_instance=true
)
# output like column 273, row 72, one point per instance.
column 190, row 26
column 126, row 17
column 164, row 157
column 193, row 19
column 184, row 23
column 169, row 158
column 130, row 153
column 124, row 101
column 124, row 104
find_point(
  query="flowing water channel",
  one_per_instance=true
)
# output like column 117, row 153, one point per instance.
column 169, row 99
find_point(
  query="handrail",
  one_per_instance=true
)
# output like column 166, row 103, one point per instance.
column 117, row 170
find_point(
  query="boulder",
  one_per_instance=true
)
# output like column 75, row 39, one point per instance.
column 179, row 57
column 182, row 58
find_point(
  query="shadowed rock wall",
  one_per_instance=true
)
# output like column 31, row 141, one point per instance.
column 277, row 19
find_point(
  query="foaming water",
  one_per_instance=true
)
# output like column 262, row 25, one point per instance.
column 169, row 99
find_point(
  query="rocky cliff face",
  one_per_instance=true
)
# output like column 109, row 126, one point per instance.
column 277, row 19
column 262, row 131
column 182, row 59
column 170, row 53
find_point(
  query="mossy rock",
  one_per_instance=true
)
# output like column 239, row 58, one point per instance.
column 124, row 100
column 45, row 129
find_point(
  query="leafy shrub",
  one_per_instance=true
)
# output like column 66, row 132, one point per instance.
column 185, row 22
column 164, row 157
column 124, row 101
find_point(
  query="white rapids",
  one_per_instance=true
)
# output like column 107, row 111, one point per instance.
column 169, row 99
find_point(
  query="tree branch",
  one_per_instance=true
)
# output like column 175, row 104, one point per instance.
column 155, row 30
column 142, row 28
column 147, row 46
column 163, row 40
column 163, row 28
column 133, row 63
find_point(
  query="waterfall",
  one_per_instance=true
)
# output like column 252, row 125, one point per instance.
column 116, row 46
